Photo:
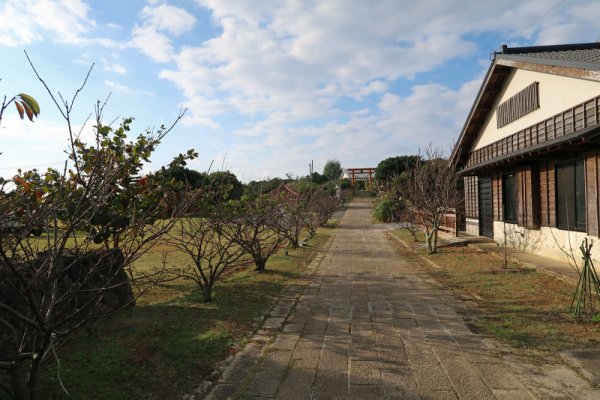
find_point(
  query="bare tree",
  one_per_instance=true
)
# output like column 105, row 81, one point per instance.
column 293, row 219
column 430, row 191
column 319, row 207
column 209, row 242
column 54, row 284
column 409, row 219
column 258, row 228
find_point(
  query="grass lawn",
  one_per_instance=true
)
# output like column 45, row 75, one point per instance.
column 167, row 344
column 527, row 308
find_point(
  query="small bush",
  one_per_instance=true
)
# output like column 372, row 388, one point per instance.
column 384, row 210
column 345, row 184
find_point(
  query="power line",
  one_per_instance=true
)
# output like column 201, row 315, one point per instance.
column 535, row 21
column 28, row 167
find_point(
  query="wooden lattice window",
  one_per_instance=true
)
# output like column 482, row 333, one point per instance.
column 522, row 103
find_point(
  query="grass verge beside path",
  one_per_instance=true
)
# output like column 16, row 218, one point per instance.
column 170, row 342
column 525, row 307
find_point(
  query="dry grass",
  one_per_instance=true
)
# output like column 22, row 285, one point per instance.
column 525, row 307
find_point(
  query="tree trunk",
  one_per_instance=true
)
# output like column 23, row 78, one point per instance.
column 431, row 238
column 17, row 382
column 260, row 264
column 33, row 382
column 207, row 293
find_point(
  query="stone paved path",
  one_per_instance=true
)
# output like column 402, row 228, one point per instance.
column 368, row 325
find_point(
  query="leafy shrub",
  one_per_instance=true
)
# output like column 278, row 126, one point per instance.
column 384, row 210
column 345, row 183
column 387, row 208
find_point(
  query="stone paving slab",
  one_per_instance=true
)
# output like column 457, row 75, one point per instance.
column 369, row 325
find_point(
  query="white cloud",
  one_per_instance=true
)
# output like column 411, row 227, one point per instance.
column 66, row 21
column 152, row 43
column 372, row 87
column 112, row 67
column 152, row 36
column 301, row 58
column 199, row 121
column 114, row 26
column 17, row 27
column 432, row 113
column 172, row 19
column 120, row 88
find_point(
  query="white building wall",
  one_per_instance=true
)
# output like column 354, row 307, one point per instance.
column 472, row 227
column 553, row 98
column 547, row 242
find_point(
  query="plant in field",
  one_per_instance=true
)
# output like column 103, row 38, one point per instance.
column 385, row 208
column 320, row 207
column 209, row 242
column 292, row 216
column 54, row 284
column 258, row 228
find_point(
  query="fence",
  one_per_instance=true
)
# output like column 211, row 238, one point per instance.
column 453, row 222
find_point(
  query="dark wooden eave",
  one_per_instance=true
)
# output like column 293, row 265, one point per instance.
column 579, row 140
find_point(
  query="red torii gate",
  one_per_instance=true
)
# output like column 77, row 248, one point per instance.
column 361, row 174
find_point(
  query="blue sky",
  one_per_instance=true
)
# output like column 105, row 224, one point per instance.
column 269, row 85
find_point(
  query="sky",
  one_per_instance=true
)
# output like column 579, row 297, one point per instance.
column 268, row 86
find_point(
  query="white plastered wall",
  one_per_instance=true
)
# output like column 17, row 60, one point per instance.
column 548, row 242
column 472, row 226
column 556, row 94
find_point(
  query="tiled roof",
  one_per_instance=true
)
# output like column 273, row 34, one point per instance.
column 582, row 55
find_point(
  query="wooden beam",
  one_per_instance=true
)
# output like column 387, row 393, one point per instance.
column 552, row 69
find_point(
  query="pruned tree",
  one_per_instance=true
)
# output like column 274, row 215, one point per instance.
column 258, row 228
column 293, row 219
column 410, row 219
column 320, row 207
column 430, row 190
column 52, row 285
column 209, row 241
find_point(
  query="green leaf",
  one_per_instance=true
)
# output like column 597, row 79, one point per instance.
column 31, row 103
